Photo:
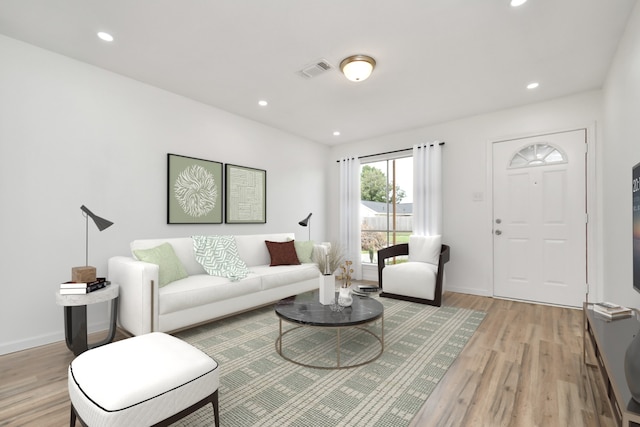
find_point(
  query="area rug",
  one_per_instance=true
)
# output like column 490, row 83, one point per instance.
column 259, row 388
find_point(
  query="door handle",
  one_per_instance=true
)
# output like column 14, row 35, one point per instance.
column 498, row 232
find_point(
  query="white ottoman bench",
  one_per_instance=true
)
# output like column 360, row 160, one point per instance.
column 153, row 379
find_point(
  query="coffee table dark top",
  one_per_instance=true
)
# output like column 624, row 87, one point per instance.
column 306, row 309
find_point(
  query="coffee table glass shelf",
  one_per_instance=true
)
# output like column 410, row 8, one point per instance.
column 306, row 312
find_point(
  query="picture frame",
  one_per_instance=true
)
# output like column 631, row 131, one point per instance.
column 245, row 195
column 194, row 190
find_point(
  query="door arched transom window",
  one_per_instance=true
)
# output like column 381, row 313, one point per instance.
column 537, row 155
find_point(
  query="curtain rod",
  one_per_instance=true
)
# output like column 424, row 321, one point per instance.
column 389, row 152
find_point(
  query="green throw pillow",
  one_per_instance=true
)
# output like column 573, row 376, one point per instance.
column 170, row 267
column 304, row 250
column 219, row 256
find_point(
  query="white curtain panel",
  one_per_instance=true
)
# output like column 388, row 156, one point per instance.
column 350, row 213
column 427, row 189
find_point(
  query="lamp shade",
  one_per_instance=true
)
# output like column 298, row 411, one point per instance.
column 306, row 222
column 357, row 68
column 101, row 223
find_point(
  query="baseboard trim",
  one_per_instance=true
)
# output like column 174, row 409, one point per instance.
column 471, row 291
column 45, row 339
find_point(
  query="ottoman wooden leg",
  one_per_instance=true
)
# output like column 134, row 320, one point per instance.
column 216, row 409
column 74, row 417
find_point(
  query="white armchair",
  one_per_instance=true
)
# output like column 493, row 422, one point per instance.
column 420, row 279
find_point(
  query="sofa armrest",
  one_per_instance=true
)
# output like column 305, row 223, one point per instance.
column 318, row 250
column 390, row 252
column 445, row 254
column 138, row 301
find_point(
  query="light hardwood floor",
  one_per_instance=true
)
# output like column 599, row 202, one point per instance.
column 523, row 367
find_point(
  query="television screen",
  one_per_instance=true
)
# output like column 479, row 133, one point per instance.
column 636, row 226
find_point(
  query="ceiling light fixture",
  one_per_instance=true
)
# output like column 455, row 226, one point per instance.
column 263, row 103
column 533, row 85
column 516, row 3
column 357, row 67
column 105, row 36
column 336, row 133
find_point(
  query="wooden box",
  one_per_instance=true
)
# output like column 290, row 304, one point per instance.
column 86, row 274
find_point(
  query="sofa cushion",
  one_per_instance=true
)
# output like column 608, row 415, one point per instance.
column 425, row 249
column 182, row 246
column 252, row 249
column 414, row 279
column 282, row 253
column 169, row 266
column 282, row 275
column 304, row 250
column 203, row 289
column 219, row 256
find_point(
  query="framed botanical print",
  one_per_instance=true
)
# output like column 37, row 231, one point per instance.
column 245, row 195
column 194, row 190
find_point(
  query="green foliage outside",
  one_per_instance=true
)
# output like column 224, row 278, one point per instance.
column 402, row 237
column 373, row 186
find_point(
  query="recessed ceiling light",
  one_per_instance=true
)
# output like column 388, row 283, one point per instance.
column 263, row 103
column 516, row 3
column 336, row 133
column 105, row 36
column 533, row 85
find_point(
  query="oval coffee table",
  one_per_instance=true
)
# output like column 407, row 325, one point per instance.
column 305, row 310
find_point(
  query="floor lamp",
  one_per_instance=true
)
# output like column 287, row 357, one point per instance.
column 307, row 223
column 87, row 273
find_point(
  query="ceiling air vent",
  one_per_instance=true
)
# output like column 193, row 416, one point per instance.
column 315, row 69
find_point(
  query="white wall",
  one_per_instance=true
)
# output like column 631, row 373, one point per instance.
column 622, row 135
column 73, row 134
column 468, row 223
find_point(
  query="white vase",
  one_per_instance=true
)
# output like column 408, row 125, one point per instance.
column 327, row 289
column 345, row 299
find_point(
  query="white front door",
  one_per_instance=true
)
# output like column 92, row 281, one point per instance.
column 539, row 218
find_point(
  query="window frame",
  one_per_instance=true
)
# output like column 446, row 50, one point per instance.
column 391, row 215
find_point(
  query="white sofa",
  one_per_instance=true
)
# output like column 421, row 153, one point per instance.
column 145, row 307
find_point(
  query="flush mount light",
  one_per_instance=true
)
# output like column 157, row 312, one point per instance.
column 357, row 67
column 336, row 133
column 516, row 3
column 105, row 36
column 533, row 85
column 263, row 103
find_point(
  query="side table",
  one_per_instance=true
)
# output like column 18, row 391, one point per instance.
column 75, row 316
column 609, row 341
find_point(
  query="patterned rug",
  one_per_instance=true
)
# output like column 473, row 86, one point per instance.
column 260, row 388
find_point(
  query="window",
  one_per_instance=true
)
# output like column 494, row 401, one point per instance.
column 537, row 155
column 386, row 205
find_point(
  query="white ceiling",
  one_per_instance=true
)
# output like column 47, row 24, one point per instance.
column 437, row 59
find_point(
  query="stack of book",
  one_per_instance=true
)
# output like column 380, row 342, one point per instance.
column 611, row 310
column 366, row 289
column 79, row 288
